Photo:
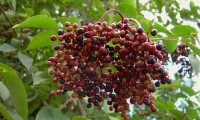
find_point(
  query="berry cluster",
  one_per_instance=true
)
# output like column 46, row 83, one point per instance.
column 179, row 56
column 181, row 50
column 117, row 62
column 185, row 67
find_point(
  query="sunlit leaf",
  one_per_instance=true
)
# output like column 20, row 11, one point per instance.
column 184, row 30
column 170, row 44
column 194, row 48
column 128, row 8
column 41, row 40
column 29, row 11
column 175, row 84
column 38, row 21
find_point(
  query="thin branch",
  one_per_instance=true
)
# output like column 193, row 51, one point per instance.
column 10, row 6
column 109, row 11
column 97, row 116
column 80, row 107
column 164, row 39
column 1, row 9
column 5, row 33
column 149, row 30
column 135, row 21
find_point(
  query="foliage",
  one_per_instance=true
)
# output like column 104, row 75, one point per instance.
column 25, row 46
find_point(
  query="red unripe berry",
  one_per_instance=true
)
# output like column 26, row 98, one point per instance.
column 60, row 86
column 53, row 37
column 49, row 63
column 52, row 93
column 75, row 25
column 102, row 50
column 159, row 56
column 58, row 92
column 108, row 58
column 152, row 49
column 69, row 29
column 71, row 101
column 110, row 108
column 67, row 24
column 125, row 20
column 152, row 107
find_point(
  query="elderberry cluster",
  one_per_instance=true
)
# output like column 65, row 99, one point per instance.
column 179, row 56
column 116, row 62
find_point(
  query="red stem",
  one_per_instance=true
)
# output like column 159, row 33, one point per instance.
column 135, row 21
column 109, row 11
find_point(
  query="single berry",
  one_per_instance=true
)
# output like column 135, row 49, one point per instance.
column 154, row 32
column 53, row 37
column 159, row 47
column 140, row 30
column 60, row 32
column 52, row 93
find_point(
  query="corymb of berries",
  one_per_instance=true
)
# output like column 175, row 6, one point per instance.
column 116, row 62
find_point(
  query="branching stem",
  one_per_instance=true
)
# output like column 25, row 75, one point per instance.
column 120, row 14
column 109, row 11
column 1, row 9
column 80, row 107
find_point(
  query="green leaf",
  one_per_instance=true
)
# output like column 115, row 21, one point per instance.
column 41, row 40
column 106, row 107
column 128, row 10
column 16, row 43
column 14, row 114
column 29, row 11
column 194, row 48
column 146, row 24
column 37, row 79
column 175, row 84
column 32, row 93
column 16, row 89
column 5, row 113
column 161, row 105
column 14, row 4
column 159, row 5
column 4, row 93
column 192, row 112
column 180, row 115
column 38, row 21
column 25, row 60
column 113, row 118
column 78, row 118
column 170, row 44
column 184, row 30
column 170, row 105
column 7, row 48
column 50, row 113
column 160, row 28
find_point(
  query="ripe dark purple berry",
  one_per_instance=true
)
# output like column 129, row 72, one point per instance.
column 140, row 30
column 154, row 32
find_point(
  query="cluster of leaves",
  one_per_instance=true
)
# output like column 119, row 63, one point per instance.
column 25, row 85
